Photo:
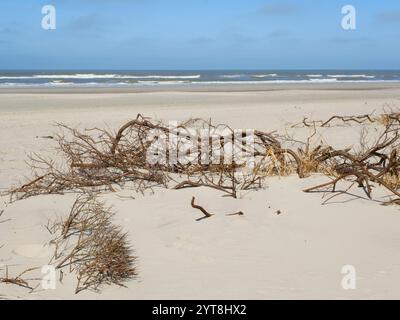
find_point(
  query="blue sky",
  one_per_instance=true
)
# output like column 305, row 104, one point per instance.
column 199, row 34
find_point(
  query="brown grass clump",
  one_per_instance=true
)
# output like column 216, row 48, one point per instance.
column 390, row 117
column 89, row 244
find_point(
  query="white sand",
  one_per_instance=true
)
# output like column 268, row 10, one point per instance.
column 261, row 255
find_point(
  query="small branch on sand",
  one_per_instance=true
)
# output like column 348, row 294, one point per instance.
column 240, row 213
column 1, row 213
column 206, row 213
column 190, row 184
column 367, row 118
column 357, row 119
column 18, row 280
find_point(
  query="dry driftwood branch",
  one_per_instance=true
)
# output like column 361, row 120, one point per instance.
column 240, row 213
column 6, row 220
column 367, row 118
column 208, row 214
column 357, row 119
column 18, row 280
column 204, row 211
column 191, row 184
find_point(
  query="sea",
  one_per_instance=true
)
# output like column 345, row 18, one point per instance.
column 101, row 78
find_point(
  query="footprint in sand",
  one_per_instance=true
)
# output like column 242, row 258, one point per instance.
column 33, row 251
column 186, row 242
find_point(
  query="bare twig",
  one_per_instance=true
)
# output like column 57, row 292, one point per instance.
column 204, row 211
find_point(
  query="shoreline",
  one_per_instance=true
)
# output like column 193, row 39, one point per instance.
column 198, row 87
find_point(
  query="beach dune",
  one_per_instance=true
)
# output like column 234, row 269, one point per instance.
column 299, row 253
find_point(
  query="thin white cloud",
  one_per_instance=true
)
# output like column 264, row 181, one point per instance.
column 279, row 9
column 389, row 16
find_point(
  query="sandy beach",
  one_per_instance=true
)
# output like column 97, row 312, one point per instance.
column 296, row 254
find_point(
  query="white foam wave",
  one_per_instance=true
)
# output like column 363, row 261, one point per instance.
column 271, row 81
column 231, row 76
column 182, row 82
column 351, row 76
column 197, row 76
column 98, row 76
column 264, row 75
column 163, row 82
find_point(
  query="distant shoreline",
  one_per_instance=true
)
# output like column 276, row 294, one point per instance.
column 239, row 87
column 189, row 80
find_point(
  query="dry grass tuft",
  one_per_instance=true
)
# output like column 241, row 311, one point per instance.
column 89, row 244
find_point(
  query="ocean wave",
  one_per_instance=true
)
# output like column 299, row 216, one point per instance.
column 59, row 76
column 183, row 82
column 197, row 76
column 264, row 75
column 163, row 82
column 89, row 76
column 351, row 76
column 271, row 81
column 60, row 83
column 231, row 76
column 13, row 84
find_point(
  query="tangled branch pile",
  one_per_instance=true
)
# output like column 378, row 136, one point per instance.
column 378, row 164
column 148, row 153
column 153, row 154
column 89, row 244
